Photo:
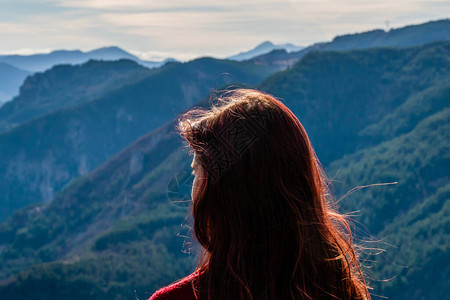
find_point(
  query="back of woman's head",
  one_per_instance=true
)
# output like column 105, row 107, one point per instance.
column 261, row 208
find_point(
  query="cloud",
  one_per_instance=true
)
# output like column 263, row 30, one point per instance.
column 27, row 51
column 161, row 5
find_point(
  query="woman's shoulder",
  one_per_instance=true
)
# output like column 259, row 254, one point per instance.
column 180, row 290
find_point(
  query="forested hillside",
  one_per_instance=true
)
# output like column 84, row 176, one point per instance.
column 64, row 85
column 337, row 95
column 41, row 156
column 109, row 233
column 374, row 116
column 412, row 217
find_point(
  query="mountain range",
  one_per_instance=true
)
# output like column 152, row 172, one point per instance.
column 44, row 61
column 278, row 56
column 91, row 179
column 412, row 35
column 15, row 68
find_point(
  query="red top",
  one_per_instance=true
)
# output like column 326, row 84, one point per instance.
column 179, row 290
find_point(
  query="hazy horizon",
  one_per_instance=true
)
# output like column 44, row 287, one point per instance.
column 185, row 30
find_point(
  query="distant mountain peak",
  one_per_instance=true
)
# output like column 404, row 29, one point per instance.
column 265, row 44
column 109, row 49
column 110, row 53
column 264, row 48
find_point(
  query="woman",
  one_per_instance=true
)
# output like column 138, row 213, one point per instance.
column 261, row 208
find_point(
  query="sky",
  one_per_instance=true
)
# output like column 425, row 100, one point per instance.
column 158, row 29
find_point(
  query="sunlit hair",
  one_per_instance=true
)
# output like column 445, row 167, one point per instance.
column 262, row 211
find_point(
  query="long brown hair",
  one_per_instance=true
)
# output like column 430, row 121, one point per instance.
column 262, row 211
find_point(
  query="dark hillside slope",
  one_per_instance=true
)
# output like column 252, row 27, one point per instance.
column 412, row 217
column 419, row 257
column 418, row 160
column 10, row 79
